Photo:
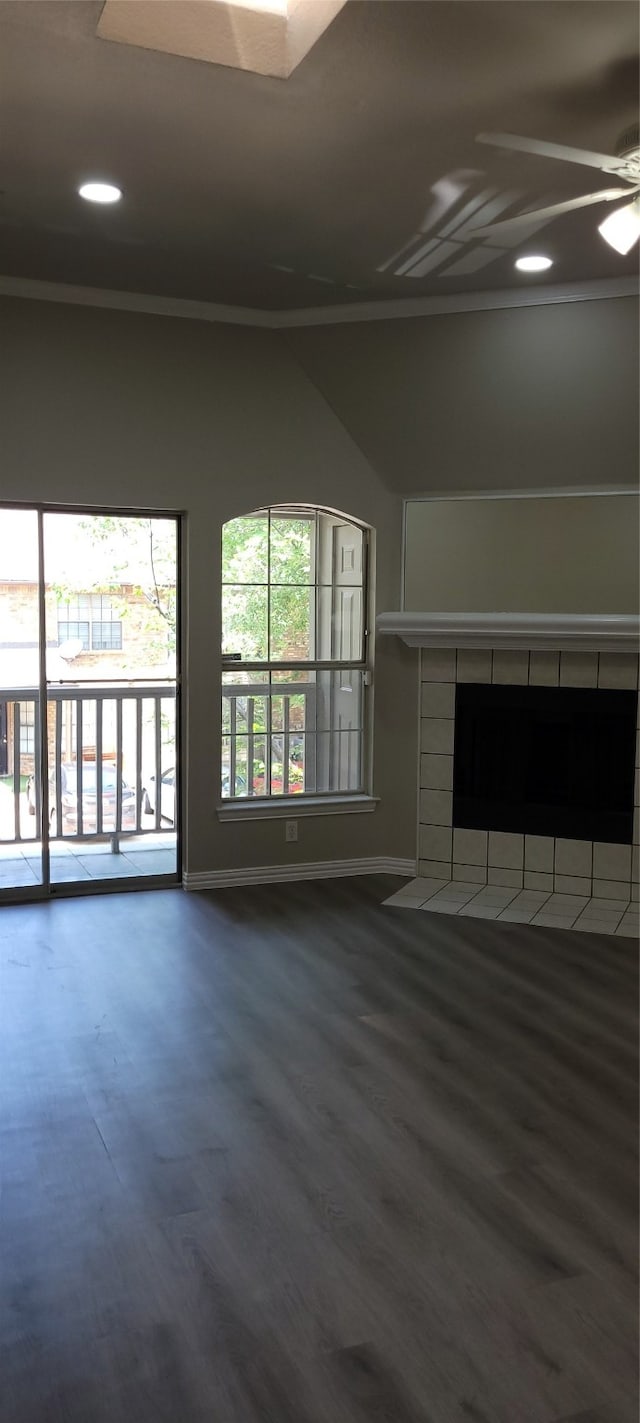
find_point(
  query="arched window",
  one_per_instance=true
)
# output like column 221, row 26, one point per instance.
column 295, row 654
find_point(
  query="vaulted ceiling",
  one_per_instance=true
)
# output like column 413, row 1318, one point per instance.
column 321, row 188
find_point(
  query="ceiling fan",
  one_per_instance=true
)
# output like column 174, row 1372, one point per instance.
column 622, row 228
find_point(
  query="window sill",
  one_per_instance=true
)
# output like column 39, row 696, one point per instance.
column 295, row 807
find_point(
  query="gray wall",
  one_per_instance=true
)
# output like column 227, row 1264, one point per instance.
column 528, row 397
column 144, row 412
column 111, row 408
column 573, row 554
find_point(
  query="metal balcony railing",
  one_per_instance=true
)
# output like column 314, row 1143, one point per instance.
column 266, row 739
column 108, row 748
column 292, row 738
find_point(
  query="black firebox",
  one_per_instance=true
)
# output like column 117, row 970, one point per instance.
column 545, row 761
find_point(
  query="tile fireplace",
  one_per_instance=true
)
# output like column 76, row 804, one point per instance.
column 569, row 863
column 579, row 837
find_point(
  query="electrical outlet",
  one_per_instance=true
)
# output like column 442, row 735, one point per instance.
column 291, row 830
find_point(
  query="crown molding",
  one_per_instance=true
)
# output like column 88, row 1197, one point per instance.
column 454, row 304
column 29, row 288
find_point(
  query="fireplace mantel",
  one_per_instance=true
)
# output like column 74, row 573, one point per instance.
column 547, row 632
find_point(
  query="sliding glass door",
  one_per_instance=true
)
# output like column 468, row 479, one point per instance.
column 21, row 844
column 89, row 715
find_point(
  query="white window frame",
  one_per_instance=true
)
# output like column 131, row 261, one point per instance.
column 308, row 802
column 27, row 728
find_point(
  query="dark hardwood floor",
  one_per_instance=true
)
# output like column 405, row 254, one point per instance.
column 284, row 1155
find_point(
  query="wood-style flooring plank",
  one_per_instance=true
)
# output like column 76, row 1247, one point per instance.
column 287, row 1155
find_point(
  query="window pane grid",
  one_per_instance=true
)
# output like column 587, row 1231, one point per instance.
column 275, row 583
column 269, row 584
column 27, row 721
column 271, row 618
column 293, row 739
column 92, row 619
column 293, row 701
column 320, row 763
column 74, row 631
column 106, row 637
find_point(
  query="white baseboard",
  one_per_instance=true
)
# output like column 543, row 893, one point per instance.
column 275, row 874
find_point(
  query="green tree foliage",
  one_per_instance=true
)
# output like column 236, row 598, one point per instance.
column 140, row 553
column 109, row 554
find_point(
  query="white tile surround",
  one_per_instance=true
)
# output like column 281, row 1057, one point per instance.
column 599, row 877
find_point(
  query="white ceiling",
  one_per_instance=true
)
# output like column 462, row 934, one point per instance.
column 318, row 189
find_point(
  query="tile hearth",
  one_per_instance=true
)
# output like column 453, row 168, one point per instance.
column 518, row 906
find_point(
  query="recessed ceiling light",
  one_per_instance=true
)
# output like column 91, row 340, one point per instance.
column 100, row 193
column 533, row 264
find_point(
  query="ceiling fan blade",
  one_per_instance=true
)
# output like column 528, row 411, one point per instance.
column 606, row 162
column 524, row 219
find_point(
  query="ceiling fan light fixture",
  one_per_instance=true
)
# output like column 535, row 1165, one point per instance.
column 534, row 263
column 622, row 227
